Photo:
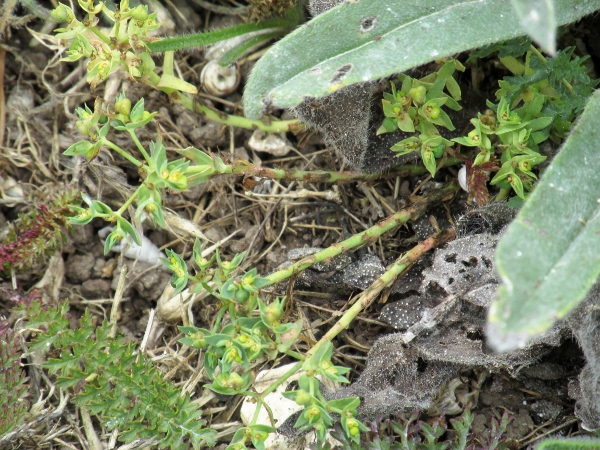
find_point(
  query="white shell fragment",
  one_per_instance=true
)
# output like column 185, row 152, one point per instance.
column 462, row 178
column 220, row 81
column 11, row 192
column 270, row 143
column 282, row 409
column 147, row 252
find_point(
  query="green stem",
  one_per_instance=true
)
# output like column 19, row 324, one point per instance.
column 567, row 85
column 313, row 176
column 295, row 355
column 504, row 192
column 220, row 315
column 367, row 236
column 369, row 295
column 276, row 126
column 139, row 145
column 129, row 201
column 276, row 384
column 259, row 404
column 118, row 31
column 121, row 152
column 538, row 53
column 100, row 34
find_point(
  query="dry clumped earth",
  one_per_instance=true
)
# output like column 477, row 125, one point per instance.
column 432, row 354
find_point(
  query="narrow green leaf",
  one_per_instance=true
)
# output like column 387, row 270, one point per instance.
column 366, row 40
column 246, row 46
column 539, row 21
column 570, row 444
column 549, row 257
column 210, row 37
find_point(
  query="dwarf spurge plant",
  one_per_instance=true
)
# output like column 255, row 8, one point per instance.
column 231, row 351
column 254, row 333
column 539, row 103
column 127, row 47
column 157, row 170
column 247, row 329
column 417, row 108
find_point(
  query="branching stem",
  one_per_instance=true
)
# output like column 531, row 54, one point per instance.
column 367, row 236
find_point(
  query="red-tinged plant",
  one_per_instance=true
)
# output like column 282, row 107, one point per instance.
column 37, row 233
column 477, row 179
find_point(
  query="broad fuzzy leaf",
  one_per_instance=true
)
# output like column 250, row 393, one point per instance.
column 549, row 257
column 539, row 21
column 366, row 40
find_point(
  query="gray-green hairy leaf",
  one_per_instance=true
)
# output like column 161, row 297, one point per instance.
column 539, row 21
column 366, row 40
column 549, row 257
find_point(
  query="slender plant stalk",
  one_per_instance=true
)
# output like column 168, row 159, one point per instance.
column 276, row 126
column 324, row 176
column 398, row 267
column 402, row 264
column 367, row 236
column 125, row 154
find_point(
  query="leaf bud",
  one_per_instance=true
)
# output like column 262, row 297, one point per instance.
column 438, row 150
column 198, row 340
column 418, row 94
column 62, row 13
column 272, row 313
column 140, row 13
column 313, row 413
column 84, row 127
column 123, row 106
column 242, row 295
column 473, row 135
column 435, row 112
column 234, row 381
column 303, row 398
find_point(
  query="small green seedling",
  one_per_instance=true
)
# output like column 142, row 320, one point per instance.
column 417, row 108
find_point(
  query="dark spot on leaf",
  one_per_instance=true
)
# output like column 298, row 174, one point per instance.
column 471, row 262
column 450, row 258
column 367, row 24
column 315, row 71
column 341, row 73
column 421, row 365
